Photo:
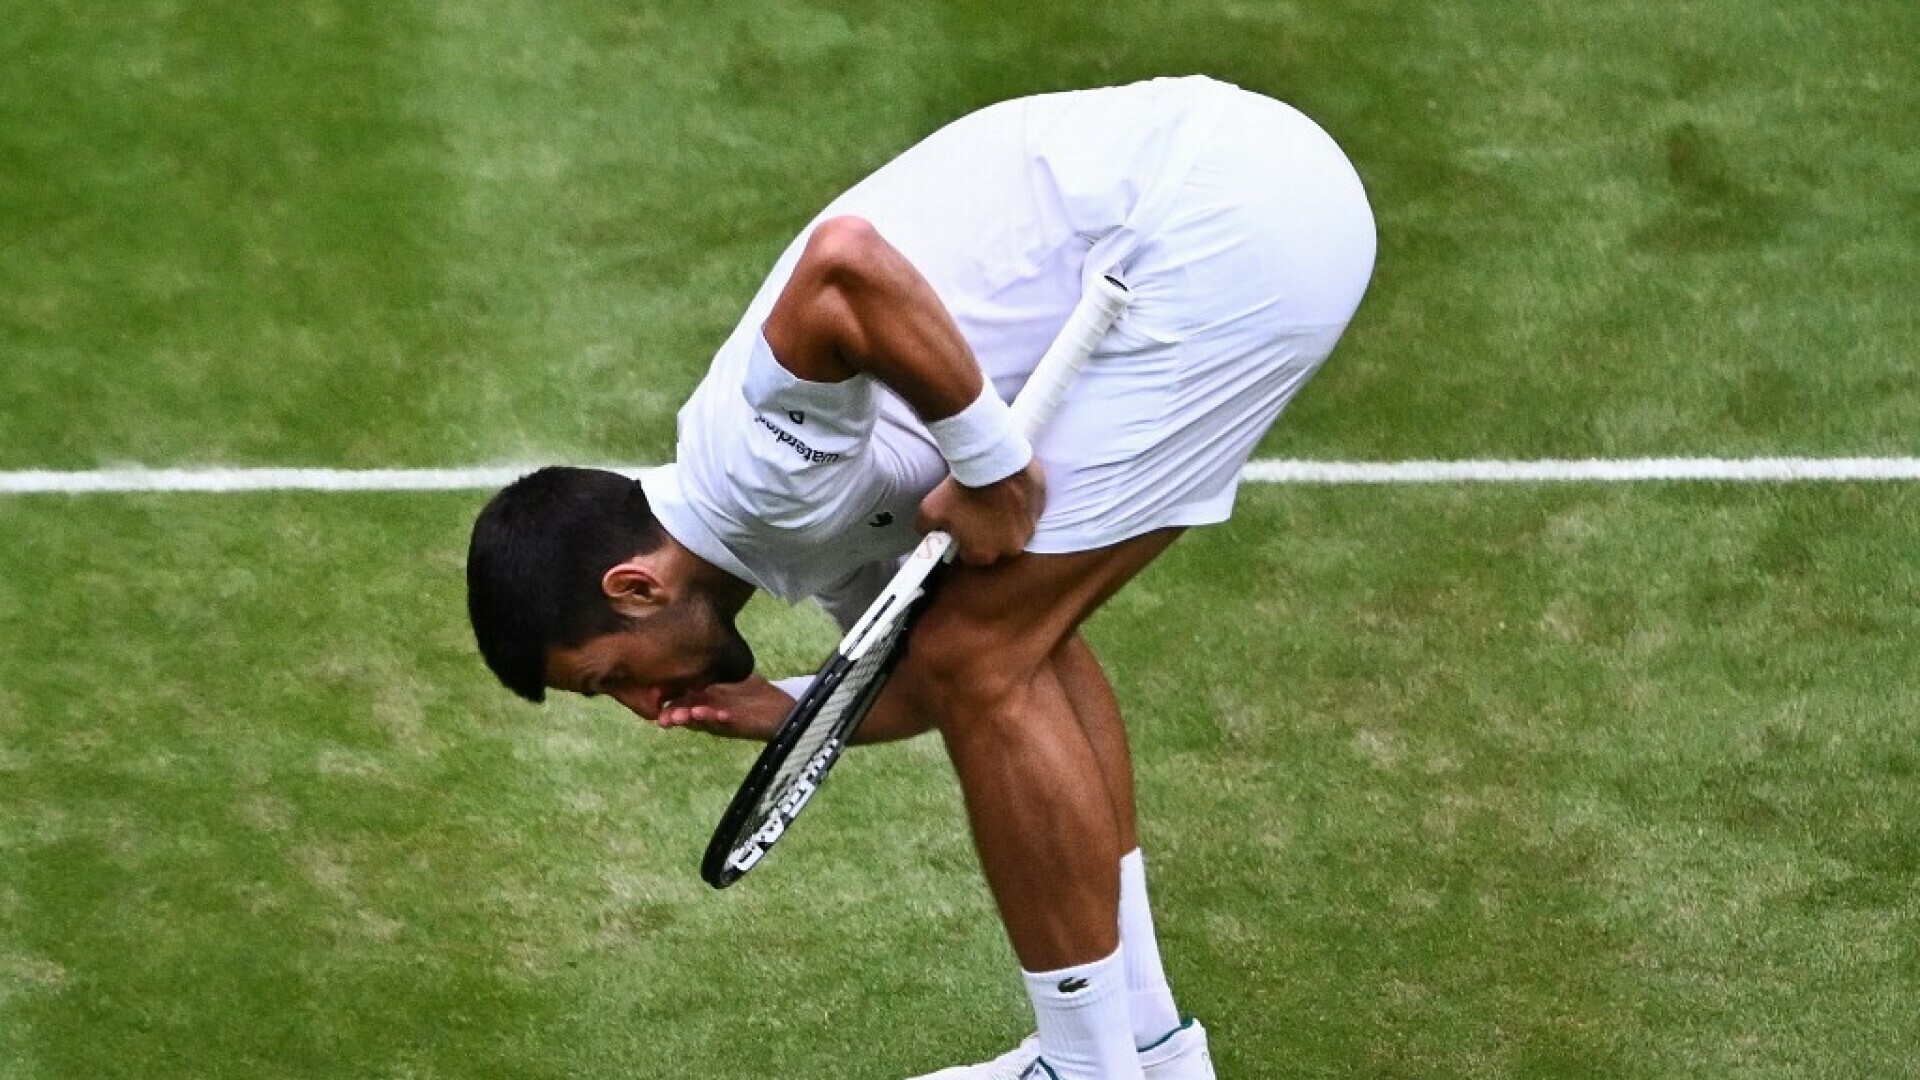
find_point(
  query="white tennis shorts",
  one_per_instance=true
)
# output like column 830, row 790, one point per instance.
column 1238, row 297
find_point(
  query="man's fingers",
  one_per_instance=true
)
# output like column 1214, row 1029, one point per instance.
column 988, row 524
column 985, row 554
column 692, row 716
column 720, row 725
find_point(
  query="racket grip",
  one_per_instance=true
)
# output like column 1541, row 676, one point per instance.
column 1047, row 387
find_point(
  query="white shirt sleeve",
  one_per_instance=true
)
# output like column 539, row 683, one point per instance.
column 830, row 413
column 796, row 457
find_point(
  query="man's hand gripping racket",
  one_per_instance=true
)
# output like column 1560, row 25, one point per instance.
column 812, row 737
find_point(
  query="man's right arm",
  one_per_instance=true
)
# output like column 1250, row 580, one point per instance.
column 856, row 305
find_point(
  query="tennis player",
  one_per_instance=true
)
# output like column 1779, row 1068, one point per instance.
column 861, row 401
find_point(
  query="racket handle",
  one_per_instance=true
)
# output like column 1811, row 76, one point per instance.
column 1047, row 387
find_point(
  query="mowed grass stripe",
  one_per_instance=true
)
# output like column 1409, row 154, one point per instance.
column 226, row 229
column 1745, row 470
column 1438, row 781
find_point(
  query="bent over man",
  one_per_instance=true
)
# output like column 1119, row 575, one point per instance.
column 860, row 401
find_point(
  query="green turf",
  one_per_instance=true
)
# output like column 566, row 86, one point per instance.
column 516, row 230
column 1438, row 782
column 1566, row 783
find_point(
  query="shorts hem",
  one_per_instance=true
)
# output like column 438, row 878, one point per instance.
column 1073, row 541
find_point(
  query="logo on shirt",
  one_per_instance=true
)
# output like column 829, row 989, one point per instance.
column 882, row 519
column 798, row 417
column 786, row 438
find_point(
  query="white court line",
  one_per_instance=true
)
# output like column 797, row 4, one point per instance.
column 1616, row 470
column 1601, row 470
column 136, row 480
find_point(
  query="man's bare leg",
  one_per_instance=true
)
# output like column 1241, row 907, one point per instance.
column 1150, row 1000
column 1044, row 818
column 1047, row 790
column 1043, row 822
column 1044, row 826
column 1036, row 792
column 1098, row 712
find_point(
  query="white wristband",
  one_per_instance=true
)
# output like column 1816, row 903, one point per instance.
column 980, row 442
column 795, row 687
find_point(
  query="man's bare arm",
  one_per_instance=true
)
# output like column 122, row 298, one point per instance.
column 856, row 305
column 754, row 708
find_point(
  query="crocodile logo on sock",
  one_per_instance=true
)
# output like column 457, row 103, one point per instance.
column 1072, row 985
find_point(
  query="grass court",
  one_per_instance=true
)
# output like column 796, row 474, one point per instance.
column 1536, row 780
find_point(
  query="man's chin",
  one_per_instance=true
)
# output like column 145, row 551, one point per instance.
column 734, row 664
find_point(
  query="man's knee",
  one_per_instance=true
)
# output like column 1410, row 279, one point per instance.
column 991, row 632
column 963, row 671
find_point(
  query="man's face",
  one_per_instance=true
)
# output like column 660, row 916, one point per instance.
column 679, row 645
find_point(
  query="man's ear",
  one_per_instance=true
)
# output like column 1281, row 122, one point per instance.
column 634, row 588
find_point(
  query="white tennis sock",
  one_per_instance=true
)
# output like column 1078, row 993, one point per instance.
column 1149, row 998
column 1082, row 1014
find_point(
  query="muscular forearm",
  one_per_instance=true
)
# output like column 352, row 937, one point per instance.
column 754, row 708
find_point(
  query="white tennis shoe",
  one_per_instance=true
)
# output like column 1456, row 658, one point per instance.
column 1182, row 1055
column 1015, row 1064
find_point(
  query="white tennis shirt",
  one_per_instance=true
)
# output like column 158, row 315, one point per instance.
column 810, row 489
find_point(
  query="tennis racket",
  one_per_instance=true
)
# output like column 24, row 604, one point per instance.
column 807, row 743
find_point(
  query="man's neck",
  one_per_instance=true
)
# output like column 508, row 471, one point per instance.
column 728, row 593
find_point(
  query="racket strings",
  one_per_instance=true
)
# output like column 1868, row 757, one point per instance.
column 845, row 706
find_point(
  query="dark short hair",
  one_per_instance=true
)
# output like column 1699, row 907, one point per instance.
column 538, row 553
